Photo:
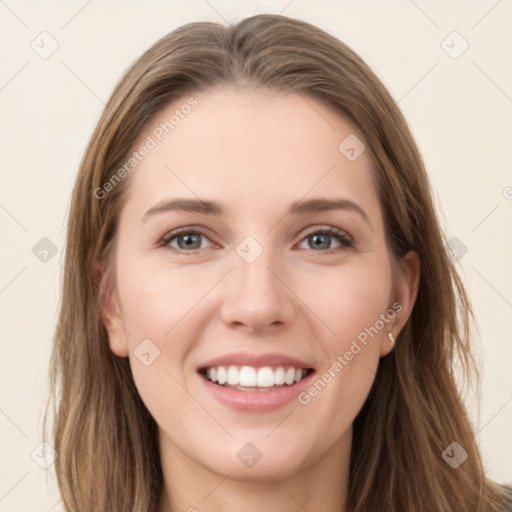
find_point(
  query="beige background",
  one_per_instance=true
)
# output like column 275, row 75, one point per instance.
column 460, row 111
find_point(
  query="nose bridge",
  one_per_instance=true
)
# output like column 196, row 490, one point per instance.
column 256, row 295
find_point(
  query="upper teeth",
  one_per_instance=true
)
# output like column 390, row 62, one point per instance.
column 260, row 377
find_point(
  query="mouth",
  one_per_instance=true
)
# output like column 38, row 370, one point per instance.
column 255, row 379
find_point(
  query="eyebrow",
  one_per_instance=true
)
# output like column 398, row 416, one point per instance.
column 206, row 207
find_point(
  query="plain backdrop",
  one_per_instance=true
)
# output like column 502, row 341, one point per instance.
column 447, row 64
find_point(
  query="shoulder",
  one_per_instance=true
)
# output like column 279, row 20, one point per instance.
column 507, row 492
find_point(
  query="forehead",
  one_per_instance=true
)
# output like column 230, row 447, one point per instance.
column 250, row 145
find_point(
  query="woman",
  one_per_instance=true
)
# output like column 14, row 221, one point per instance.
column 258, row 309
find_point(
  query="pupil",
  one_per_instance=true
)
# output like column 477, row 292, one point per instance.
column 318, row 241
column 188, row 240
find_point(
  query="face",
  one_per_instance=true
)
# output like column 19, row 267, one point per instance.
column 287, row 267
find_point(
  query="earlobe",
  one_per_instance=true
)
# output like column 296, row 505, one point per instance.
column 388, row 345
column 110, row 312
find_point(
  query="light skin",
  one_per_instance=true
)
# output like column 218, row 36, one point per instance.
column 254, row 152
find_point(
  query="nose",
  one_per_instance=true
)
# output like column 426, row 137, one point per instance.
column 257, row 296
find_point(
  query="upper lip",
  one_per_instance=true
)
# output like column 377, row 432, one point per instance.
column 255, row 360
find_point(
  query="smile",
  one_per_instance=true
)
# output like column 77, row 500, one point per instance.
column 249, row 378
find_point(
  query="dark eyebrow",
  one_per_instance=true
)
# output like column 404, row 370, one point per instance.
column 297, row 208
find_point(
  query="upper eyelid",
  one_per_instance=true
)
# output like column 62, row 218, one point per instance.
column 331, row 230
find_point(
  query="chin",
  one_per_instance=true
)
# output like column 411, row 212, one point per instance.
column 256, row 462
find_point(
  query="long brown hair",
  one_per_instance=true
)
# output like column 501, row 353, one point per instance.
column 106, row 440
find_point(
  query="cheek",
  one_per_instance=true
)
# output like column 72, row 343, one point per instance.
column 157, row 308
column 354, row 303
column 165, row 304
column 154, row 305
column 351, row 303
column 349, row 299
column 155, row 297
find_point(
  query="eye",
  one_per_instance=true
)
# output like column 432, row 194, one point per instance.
column 321, row 238
column 187, row 239
column 190, row 240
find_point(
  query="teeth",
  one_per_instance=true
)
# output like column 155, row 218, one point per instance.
column 265, row 377
column 233, row 376
column 290, row 376
column 247, row 376
column 222, row 378
column 279, row 377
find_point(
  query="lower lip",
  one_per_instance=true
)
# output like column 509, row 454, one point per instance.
column 256, row 401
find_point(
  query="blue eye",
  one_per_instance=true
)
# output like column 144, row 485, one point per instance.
column 188, row 239
column 319, row 240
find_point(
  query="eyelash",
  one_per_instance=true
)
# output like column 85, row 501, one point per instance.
column 345, row 240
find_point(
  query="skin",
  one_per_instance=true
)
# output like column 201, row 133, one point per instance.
column 255, row 152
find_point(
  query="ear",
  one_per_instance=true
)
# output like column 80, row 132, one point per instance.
column 404, row 295
column 110, row 311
